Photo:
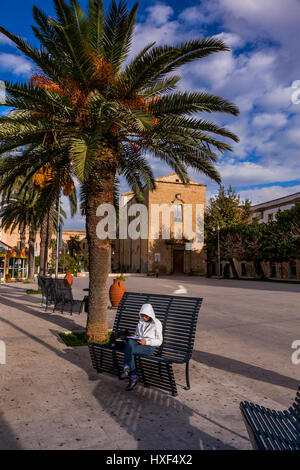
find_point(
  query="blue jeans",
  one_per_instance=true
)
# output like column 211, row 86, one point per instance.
column 131, row 348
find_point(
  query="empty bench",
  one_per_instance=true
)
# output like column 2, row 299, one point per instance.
column 273, row 430
column 178, row 316
column 59, row 293
column 48, row 292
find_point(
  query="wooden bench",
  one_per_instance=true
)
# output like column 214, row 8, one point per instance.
column 273, row 430
column 178, row 316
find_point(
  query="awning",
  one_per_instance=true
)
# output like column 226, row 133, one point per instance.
column 4, row 247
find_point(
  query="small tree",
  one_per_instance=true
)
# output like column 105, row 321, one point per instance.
column 225, row 210
column 74, row 246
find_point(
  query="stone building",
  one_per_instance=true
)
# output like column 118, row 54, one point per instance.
column 179, row 251
column 266, row 211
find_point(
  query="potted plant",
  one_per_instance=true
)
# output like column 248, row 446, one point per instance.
column 69, row 277
column 117, row 290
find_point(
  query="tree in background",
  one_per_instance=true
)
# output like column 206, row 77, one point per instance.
column 281, row 241
column 275, row 241
column 226, row 210
column 74, row 246
column 22, row 209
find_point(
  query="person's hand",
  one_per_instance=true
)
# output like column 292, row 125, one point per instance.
column 142, row 342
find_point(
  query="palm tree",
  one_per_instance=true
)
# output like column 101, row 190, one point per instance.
column 50, row 182
column 110, row 113
column 48, row 225
column 22, row 210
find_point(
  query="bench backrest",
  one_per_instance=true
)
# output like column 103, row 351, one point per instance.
column 63, row 289
column 296, row 405
column 178, row 316
column 46, row 284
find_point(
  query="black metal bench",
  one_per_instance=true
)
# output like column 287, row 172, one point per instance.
column 179, row 320
column 273, row 430
column 48, row 292
column 64, row 296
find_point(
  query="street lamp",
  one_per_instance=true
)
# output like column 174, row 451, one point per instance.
column 57, row 238
column 219, row 255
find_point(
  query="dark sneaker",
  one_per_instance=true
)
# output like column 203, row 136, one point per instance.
column 132, row 384
column 124, row 374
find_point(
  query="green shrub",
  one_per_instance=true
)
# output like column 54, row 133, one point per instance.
column 78, row 339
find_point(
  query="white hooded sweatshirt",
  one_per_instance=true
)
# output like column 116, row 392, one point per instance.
column 151, row 331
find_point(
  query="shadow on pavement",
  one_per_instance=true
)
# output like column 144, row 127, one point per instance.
column 67, row 322
column 247, row 370
column 8, row 439
column 154, row 419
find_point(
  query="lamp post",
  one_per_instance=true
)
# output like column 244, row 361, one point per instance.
column 57, row 239
column 219, row 254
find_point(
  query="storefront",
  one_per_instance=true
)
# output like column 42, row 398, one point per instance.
column 13, row 263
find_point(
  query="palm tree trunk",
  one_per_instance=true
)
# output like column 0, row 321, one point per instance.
column 32, row 238
column 49, row 234
column 23, row 237
column 43, row 235
column 46, row 235
column 99, row 257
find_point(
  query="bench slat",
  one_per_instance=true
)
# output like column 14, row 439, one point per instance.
column 270, row 429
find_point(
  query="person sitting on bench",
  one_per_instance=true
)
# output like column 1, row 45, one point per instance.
column 148, row 335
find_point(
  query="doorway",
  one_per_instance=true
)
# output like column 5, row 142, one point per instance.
column 178, row 261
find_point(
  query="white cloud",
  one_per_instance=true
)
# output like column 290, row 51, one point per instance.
column 232, row 40
column 193, row 15
column 159, row 14
column 259, row 195
column 18, row 65
column 156, row 28
column 277, row 97
column 4, row 40
column 270, row 120
column 266, row 11
column 250, row 173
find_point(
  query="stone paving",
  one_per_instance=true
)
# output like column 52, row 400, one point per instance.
column 51, row 398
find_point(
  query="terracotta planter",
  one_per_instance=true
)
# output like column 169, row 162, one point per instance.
column 116, row 292
column 69, row 278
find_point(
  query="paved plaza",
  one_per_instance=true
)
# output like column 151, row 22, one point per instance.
column 51, row 397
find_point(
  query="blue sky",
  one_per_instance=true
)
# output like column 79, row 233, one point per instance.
column 257, row 74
